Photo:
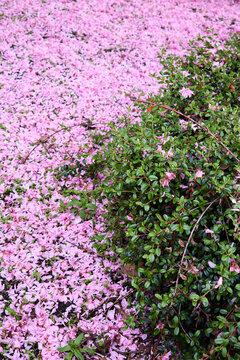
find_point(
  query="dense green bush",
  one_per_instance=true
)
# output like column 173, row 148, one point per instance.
column 170, row 182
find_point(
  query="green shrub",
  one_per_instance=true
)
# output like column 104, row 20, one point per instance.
column 170, row 182
column 76, row 349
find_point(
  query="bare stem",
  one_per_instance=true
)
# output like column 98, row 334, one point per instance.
column 186, row 246
column 191, row 119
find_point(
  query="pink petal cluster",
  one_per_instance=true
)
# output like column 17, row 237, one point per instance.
column 166, row 356
column 186, row 92
column 199, row 174
column 209, row 231
column 69, row 63
column 167, row 178
column 234, row 266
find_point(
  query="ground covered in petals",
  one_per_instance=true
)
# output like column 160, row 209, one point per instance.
column 65, row 66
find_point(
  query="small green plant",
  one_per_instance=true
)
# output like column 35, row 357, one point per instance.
column 169, row 184
column 76, row 348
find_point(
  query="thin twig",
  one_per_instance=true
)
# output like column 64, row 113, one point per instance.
column 45, row 139
column 92, row 312
column 180, row 323
column 228, row 316
column 185, row 249
column 191, row 119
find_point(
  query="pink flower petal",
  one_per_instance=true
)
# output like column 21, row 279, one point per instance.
column 186, row 92
column 199, row 173
column 211, row 264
